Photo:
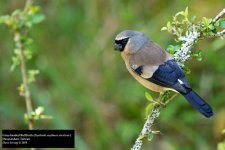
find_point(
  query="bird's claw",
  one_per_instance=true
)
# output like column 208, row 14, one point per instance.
column 156, row 132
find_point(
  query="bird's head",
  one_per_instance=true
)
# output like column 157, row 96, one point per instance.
column 130, row 41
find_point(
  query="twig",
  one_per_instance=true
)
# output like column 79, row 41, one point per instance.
column 170, row 99
column 220, row 34
column 181, row 56
column 27, row 5
column 220, row 15
column 18, row 34
column 146, row 130
column 19, row 45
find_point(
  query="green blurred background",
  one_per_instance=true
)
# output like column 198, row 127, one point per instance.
column 84, row 85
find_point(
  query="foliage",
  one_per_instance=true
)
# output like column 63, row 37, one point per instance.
column 182, row 26
column 20, row 22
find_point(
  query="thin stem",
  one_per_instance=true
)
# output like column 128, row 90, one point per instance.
column 27, row 5
column 24, row 72
column 19, row 45
column 220, row 15
column 146, row 130
column 170, row 99
column 221, row 33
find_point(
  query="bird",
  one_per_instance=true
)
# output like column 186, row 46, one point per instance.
column 154, row 68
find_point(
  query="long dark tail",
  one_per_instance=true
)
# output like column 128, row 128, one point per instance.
column 197, row 102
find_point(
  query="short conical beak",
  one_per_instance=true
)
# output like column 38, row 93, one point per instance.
column 118, row 47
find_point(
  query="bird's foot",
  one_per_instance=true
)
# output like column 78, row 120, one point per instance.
column 160, row 103
column 156, row 132
column 158, row 100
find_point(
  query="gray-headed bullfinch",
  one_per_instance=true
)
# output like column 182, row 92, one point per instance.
column 156, row 69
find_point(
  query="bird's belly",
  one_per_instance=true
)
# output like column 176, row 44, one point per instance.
column 146, row 83
column 150, row 85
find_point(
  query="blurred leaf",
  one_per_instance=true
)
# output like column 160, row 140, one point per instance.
column 186, row 12
column 26, row 117
column 198, row 55
column 21, row 89
column 150, row 136
column 4, row 18
column 186, row 70
column 199, row 58
column 156, row 132
column 173, row 48
column 163, row 28
column 217, row 23
column 37, row 18
column 38, row 114
column 179, row 13
column 183, row 13
column 28, row 53
column 174, row 19
column 39, row 110
column 206, row 21
column 222, row 24
column 147, row 109
column 15, row 62
column 149, row 97
column 33, row 10
column 169, row 26
column 221, row 146
column 10, row 22
column 34, row 19
column 193, row 19
column 211, row 27
column 32, row 74
column 45, row 117
column 16, row 12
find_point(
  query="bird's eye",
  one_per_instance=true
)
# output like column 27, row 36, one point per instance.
column 122, row 41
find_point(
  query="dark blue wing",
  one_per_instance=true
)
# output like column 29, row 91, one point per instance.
column 168, row 75
column 172, row 76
